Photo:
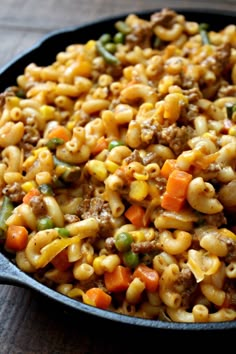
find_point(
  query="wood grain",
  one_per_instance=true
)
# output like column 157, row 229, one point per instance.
column 30, row 323
column 23, row 22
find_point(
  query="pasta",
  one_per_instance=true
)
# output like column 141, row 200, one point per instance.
column 118, row 170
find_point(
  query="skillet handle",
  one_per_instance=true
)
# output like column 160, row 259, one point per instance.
column 10, row 274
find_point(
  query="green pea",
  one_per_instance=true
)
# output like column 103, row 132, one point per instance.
column 110, row 47
column 131, row 259
column 45, row 223
column 114, row 143
column 54, row 142
column 119, row 38
column 123, row 241
column 63, row 232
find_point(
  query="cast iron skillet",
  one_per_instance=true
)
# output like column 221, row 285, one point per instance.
column 43, row 53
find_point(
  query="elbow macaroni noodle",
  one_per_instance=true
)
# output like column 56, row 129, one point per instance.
column 164, row 98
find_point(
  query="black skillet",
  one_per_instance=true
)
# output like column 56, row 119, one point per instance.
column 43, row 53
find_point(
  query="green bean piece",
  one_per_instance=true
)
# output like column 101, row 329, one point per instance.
column 108, row 57
column 131, row 259
column 157, row 43
column 58, row 162
column 230, row 109
column 114, row 143
column 201, row 220
column 204, row 26
column 5, row 212
column 46, row 189
column 71, row 174
column 45, row 223
column 205, row 37
column 20, row 93
column 203, row 30
column 57, row 183
column 119, row 38
column 54, row 142
column 123, row 241
column 122, row 27
column 62, row 232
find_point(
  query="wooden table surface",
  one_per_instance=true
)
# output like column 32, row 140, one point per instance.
column 29, row 323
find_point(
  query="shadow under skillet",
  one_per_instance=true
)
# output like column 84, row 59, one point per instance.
column 101, row 335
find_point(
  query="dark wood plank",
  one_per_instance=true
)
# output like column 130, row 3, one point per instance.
column 37, row 19
column 17, row 42
column 47, row 15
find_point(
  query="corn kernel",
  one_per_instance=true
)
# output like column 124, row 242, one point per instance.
column 48, row 112
column 12, row 101
column 141, row 176
column 70, row 125
column 97, row 265
column 232, row 130
column 111, row 166
column 97, row 169
column 27, row 186
column 91, row 44
column 227, row 233
column 138, row 236
column 138, row 190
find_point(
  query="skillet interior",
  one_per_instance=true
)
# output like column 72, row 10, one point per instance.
column 43, row 53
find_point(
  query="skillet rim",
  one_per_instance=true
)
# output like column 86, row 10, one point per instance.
column 9, row 272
